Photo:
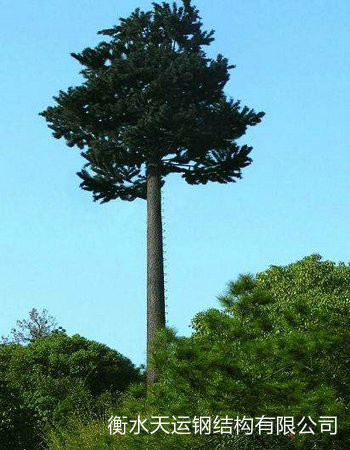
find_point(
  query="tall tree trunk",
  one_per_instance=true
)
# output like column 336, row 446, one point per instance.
column 155, row 269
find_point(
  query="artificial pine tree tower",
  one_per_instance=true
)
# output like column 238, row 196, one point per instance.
column 152, row 103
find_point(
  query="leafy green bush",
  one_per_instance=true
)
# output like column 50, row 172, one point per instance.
column 52, row 377
column 280, row 346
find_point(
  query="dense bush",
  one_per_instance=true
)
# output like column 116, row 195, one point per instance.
column 280, row 346
column 52, row 377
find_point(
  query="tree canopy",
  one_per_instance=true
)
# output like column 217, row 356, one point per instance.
column 52, row 377
column 279, row 347
column 151, row 96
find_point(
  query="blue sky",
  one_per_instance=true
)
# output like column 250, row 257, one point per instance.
column 85, row 262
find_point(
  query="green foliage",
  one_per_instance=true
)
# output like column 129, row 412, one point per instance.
column 280, row 347
column 151, row 96
column 52, row 377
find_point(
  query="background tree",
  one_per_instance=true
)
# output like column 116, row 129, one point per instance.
column 152, row 103
column 280, row 346
column 51, row 378
column 39, row 325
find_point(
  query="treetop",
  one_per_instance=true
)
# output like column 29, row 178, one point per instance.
column 151, row 96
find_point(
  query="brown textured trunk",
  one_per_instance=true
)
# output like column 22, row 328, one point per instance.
column 155, row 270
